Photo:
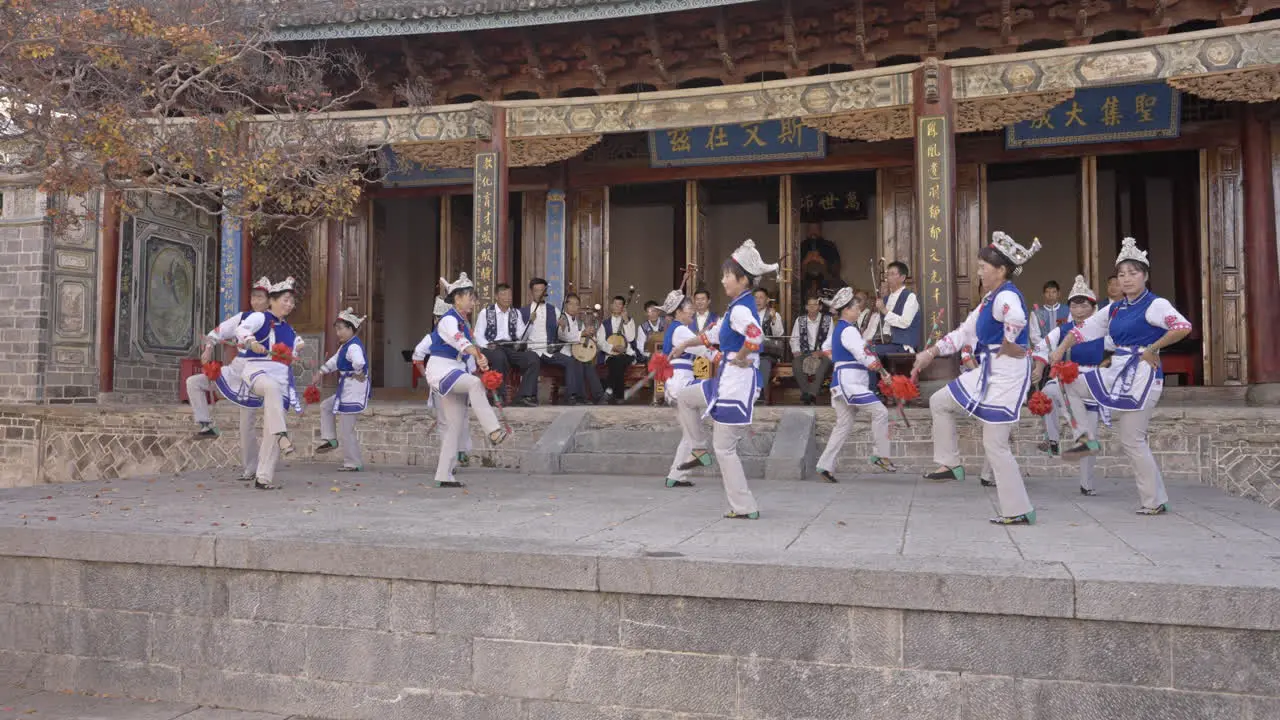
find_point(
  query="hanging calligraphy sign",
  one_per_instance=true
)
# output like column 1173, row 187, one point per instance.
column 1119, row 113
column 764, row 141
column 485, row 225
column 400, row 172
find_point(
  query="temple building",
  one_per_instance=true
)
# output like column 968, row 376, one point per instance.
column 610, row 146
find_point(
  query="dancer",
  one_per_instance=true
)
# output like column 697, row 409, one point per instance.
column 420, row 354
column 852, row 361
column 729, row 396
column 1140, row 324
column 199, row 384
column 269, row 345
column 994, row 392
column 680, row 309
column 1082, row 303
column 448, row 376
column 352, row 395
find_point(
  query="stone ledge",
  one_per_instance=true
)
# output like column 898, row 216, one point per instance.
column 1041, row 589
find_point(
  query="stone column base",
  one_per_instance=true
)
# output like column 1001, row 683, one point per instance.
column 1263, row 395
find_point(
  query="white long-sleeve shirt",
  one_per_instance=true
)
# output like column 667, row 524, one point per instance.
column 250, row 326
column 814, row 326
column 856, row 345
column 1006, row 308
column 354, row 353
column 502, row 323
column 225, row 332
column 1160, row 313
column 622, row 326
column 909, row 310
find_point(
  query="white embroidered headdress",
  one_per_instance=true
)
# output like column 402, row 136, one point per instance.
column 1129, row 251
column 461, row 283
column 286, row 284
column 350, row 316
column 441, row 307
column 843, row 297
column 1010, row 248
column 749, row 258
column 672, row 303
column 1081, row 289
column 262, row 284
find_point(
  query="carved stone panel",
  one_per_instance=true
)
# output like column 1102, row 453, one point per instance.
column 72, row 308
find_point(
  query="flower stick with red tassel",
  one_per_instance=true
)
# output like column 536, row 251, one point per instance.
column 492, row 380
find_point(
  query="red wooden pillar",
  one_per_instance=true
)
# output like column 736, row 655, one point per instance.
column 492, row 247
column 1262, row 279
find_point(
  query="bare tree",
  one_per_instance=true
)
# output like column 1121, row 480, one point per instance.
column 189, row 98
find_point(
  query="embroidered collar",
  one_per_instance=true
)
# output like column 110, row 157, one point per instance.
column 1135, row 301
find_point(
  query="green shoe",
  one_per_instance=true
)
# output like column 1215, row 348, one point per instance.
column 1025, row 519
column 884, row 464
column 326, row 446
column 348, row 468
column 464, row 459
column 1157, row 510
column 827, row 476
column 955, row 473
column 207, row 432
column 742, row 516
column 678, row 483
column 702, row 459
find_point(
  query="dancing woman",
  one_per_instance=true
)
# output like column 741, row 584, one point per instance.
column 729, row 396
column 678, row 333
column 447, row 375
column 352, row 395
column 851, row 362
column 1140, row 324
column 269, row 345
column 992, row 393
column 420, row 354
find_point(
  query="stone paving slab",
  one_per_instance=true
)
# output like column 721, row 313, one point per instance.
column 18, row 704
column 557, row 531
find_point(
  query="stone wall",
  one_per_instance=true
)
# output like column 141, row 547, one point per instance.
column 358, row 647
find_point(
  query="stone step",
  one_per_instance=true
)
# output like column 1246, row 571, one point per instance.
column 651, row 465
column 648, row 442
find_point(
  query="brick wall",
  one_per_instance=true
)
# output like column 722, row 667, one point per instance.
column 24, row 295
column 374, row 648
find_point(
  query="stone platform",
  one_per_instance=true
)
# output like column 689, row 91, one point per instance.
column 536, row 597
column 1222, row 444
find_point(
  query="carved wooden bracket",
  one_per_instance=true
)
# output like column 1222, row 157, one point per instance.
column 1252, row 85
column 435, row 154
column 891, row 123
column 996, row 112
column 539, row 151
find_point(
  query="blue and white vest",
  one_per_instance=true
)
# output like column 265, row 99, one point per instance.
column 731, row 393
column 685, row 360
column 440, row 348
column 911, row 335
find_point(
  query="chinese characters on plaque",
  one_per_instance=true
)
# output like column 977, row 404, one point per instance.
column 485, row 225
column 555, row 247
column 230, row 278
column 933, row 163
column 401, row 172
column 767, row 140
column 1103, row 114
column 829, row 197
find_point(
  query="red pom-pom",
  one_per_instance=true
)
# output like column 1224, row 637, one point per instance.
column 1066, row 372
column 282, row 353
column 660, row 366
column 212, row 370
column 1040, row 404
column 492, row 379
column 899, row 387
column 311, row 395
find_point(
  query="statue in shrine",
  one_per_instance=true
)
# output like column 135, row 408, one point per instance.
column 819, row 267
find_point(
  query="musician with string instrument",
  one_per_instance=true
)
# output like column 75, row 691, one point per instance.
column 500, row 334
column 810, row 365
column 577, row 330
column 774, row 334
column 545, row 333
column 616, row 339
column 650, row 333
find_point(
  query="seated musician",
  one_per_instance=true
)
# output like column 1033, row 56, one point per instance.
column 581, row 339
column 544, row 335
column 649, row 336
column 774, row 330
column 619, row 354
column 810, row 365
column 499, row 332
column 901, row 329
column 868, row 319
column 703, row 317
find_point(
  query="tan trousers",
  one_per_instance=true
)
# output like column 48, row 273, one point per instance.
column 344, row 433
column 995, row 441
column 197, row 386
column 844, row 426
column 452, row 412
column 272, row 425
column 724, row 442
column 1131, row 426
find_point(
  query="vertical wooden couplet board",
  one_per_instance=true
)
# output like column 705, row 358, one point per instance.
column 935, row 188
column 1222, row 244
column 553, row 260
column 590, row 234
column 789, row 229
column 231, row 267
column 489, row 207
column 695, row 219
column 1088, row 230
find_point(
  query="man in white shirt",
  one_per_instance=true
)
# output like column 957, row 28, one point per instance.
column 573, row 332
column 869, row 320
column 901, row 330
column 771, row 350
column 703, row 318
column 546, row 334
column 617, row 358
column 655, row 323
column 500, row 329
column 808, row 333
